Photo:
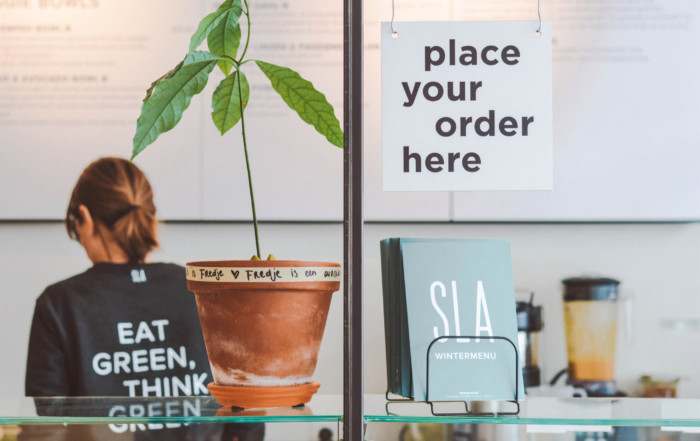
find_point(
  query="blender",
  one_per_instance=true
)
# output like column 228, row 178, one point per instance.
column 590, row 322
column 530, row 324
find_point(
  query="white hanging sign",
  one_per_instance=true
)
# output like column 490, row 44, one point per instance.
column 467, row 106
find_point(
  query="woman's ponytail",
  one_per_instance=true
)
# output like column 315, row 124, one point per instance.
column 119, row 196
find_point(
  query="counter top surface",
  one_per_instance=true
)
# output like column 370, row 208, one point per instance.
column 534, row 411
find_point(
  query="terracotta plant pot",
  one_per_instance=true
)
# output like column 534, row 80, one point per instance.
column 263, row 323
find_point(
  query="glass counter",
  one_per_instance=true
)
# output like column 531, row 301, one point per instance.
column 649, row 412
column 544, row 411
column 195, row 409
column 577, row 419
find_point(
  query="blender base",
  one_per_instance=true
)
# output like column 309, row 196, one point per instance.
column 597, row 388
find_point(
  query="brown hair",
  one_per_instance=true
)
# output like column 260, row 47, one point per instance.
column 119, row 196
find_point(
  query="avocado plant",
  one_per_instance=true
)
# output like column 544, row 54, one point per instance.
column 170, row 95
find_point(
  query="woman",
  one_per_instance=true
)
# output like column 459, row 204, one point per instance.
column 124, row 327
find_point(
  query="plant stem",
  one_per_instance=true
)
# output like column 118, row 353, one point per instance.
column 247, row 39
column 245, row 143
column 247, row 164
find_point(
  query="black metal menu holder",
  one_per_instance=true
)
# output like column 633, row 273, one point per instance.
column 466, row 412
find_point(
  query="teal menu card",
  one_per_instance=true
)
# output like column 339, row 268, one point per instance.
column 461, row 288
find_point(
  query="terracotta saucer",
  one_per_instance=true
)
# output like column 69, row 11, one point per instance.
column 228, row 411
column 250, row 397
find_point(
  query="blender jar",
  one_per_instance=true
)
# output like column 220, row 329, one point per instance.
column 590, row 322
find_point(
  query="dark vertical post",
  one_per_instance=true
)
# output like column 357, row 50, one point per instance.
column 353, row 384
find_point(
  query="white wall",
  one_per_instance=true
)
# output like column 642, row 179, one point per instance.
column 659, row 264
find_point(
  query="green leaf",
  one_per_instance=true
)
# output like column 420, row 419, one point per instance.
column 225, row 39
column 171, row 97
column 226, row 102
column 303, row 98
column 212, row 20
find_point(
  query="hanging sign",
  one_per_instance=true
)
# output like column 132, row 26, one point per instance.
column 467, row 106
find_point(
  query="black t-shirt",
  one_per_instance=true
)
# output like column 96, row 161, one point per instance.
column 124, row 330
column 118, row 330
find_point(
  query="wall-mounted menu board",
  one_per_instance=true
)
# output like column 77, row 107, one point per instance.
column 73, row 73
column 72, row 79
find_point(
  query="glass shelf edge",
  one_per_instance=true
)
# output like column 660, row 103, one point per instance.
column 638, row 412
column 531, row 421
column 51, row 420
